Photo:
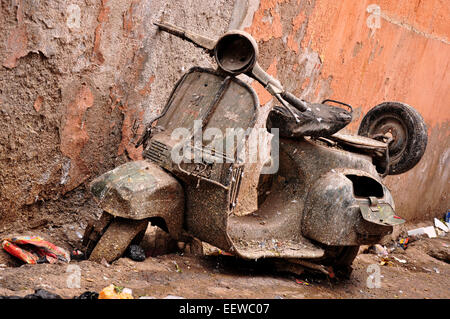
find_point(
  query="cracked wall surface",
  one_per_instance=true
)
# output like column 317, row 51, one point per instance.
column 79, row 79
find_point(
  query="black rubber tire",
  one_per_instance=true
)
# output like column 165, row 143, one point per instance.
column 406, row 126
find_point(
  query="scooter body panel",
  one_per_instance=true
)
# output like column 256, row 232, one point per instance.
column 141, row 190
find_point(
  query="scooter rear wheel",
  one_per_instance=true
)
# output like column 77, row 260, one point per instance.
column 116, row 239
column 406, row 128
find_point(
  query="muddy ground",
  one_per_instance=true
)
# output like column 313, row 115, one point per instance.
column 420, row 271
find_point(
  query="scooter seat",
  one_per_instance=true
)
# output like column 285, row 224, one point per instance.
column 317, row 120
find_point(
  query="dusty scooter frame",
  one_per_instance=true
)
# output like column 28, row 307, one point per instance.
column 325, row 199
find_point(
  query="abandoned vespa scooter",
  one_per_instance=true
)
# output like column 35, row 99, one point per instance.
column 313, row 200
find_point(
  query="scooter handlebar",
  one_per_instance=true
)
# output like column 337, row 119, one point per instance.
column 294, row 101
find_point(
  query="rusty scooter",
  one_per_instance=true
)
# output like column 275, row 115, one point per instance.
column 312, row 201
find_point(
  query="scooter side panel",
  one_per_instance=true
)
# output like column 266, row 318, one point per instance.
column 333, row 216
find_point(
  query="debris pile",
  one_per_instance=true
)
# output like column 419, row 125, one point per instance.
column 88, row 295
column 38, row 294
column 136, row 253
column 115, row 292
column 34, row 250
column 440, row 228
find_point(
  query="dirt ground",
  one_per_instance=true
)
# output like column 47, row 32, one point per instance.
column 420, row 271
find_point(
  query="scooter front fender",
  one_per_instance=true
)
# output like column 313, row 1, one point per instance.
column 141, row 190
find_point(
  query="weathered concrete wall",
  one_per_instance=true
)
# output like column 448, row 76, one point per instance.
column 364, row 53
column 79, row 78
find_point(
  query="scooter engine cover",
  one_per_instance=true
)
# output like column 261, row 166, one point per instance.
column 333, row 215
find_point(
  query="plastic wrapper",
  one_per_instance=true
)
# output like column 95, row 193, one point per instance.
column 34, row 250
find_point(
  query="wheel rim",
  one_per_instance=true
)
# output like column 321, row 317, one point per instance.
column 392, row 127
